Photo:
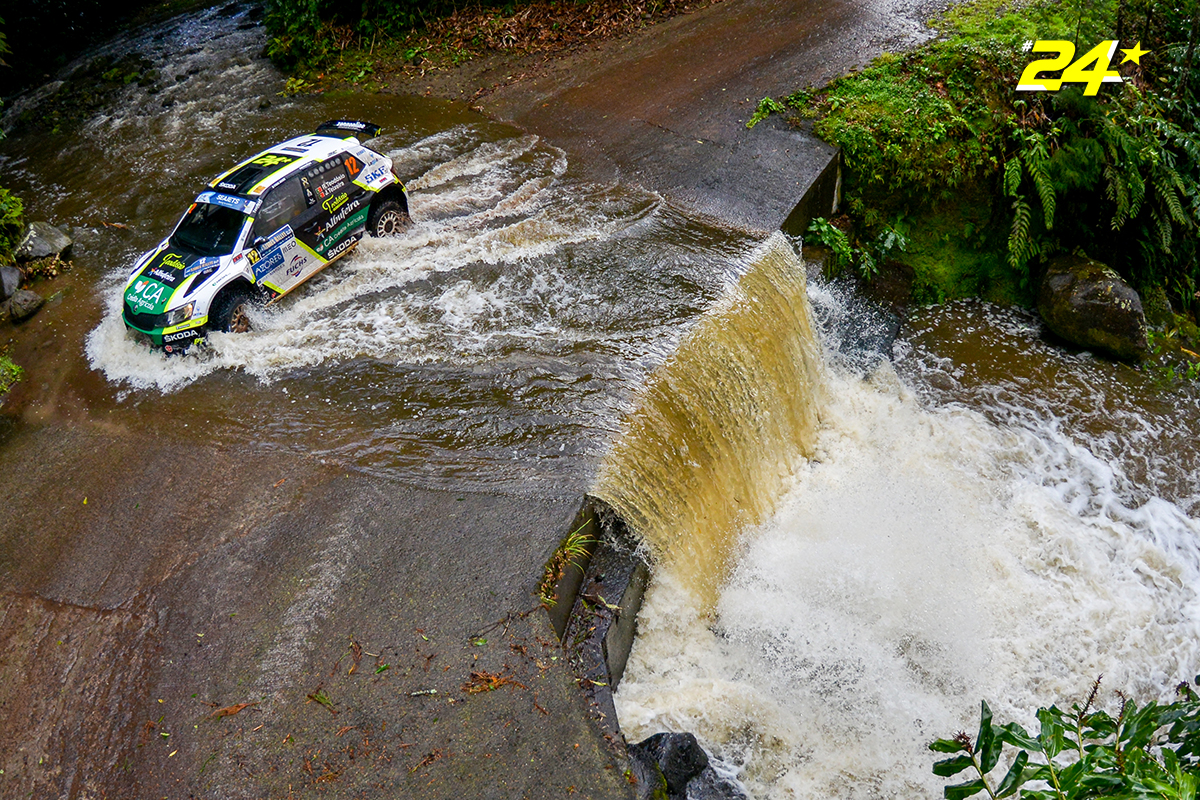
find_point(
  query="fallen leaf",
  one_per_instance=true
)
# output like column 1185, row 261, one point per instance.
column 229, row 711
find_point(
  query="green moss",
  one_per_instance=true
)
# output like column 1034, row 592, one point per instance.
column 10, row 374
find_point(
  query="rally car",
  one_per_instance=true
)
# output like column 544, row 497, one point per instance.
column 262, row 229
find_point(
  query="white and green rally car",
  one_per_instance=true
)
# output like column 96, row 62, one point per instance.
column 262, row 229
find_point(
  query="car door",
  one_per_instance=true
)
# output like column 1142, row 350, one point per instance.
column 280, row 261
column 344, row 207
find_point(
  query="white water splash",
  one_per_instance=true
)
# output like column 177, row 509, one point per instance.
column 480, row 215
column 924, row 560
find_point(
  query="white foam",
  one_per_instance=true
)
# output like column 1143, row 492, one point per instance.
column 925, row 560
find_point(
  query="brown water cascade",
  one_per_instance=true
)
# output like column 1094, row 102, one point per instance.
column 710, row 446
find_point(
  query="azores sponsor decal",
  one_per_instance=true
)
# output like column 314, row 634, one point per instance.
column 228, row 201
column 267, row 263
column 147, row 296
column 270, row 255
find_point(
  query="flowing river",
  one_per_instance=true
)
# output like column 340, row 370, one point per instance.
column 848, row 558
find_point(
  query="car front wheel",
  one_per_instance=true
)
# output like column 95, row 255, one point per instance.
column 388, row 219
column 230, row 311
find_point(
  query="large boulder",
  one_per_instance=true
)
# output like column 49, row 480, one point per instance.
column 1088, row 304
column 24, row 304
column 42, row 240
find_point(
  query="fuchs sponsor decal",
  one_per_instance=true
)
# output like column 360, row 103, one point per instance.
column 146, row 295
column 375, row 175
column 201, row 265
column 227, row 201
column 181, row 335
column 297, row 264
column 333, row 185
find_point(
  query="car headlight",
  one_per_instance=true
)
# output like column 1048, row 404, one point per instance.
column 181, row 314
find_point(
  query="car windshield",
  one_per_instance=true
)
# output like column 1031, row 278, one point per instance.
column 209, row 230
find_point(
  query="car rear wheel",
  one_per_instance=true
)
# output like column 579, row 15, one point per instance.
column 388, row 219
column 230, row 311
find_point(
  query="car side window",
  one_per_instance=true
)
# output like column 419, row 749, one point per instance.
column 279, row 206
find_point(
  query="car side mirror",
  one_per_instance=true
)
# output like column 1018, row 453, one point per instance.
column 258, row 242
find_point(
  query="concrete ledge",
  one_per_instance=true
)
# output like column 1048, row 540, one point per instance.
column 598, row 632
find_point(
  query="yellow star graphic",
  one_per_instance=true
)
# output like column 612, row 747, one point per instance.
column 1134, row 54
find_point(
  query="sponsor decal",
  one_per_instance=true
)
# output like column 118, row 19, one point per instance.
column 349, row 125
column 343, row 229
column 273, row 160
column 227, row 201
column 268, row 262
column 278, row 236
column 146, row 295
column 231, row 187
column 162, row 274
column 297, row 264
column 309, row 197
column 172, row 261
column 337, row 218
column 332, row 204
column 201, row 265
column 375, row 174
column 341, row 248
column 181, row 335
column 330, row 187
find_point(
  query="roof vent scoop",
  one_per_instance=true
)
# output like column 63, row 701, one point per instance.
column 345, row 128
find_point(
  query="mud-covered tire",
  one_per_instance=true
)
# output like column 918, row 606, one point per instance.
column 388, row 218
column 230, row 309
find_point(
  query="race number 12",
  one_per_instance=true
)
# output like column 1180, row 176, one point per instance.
column 1091, row 69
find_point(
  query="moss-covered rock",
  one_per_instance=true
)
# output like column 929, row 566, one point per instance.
column 1087, row 303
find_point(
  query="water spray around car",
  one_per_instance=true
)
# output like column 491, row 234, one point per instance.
column 262, row 229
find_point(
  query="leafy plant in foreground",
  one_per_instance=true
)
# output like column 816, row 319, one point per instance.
column 1147, row 752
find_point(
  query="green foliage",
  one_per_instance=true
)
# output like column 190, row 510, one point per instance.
column 573, row 552
column 766, row 107
column 10, row 373
column 1117, row 174
column 865, row 255
column 11, row 223
column 1151, row 752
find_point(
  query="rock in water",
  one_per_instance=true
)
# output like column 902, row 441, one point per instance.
column 1087, row 303
column 42, row 240
column 10, row 281
column 678, row 761
column 24, row 304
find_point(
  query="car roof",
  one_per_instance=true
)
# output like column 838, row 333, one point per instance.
column 255, row 175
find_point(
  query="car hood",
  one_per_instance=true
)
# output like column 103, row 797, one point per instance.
column 152, row 287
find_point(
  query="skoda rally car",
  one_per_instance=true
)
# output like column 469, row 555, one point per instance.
column 260, row 230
